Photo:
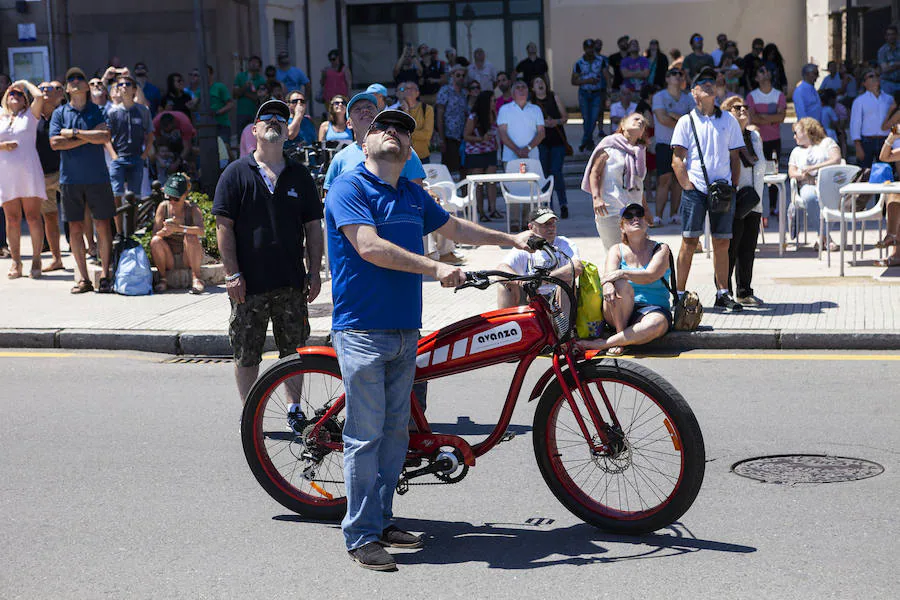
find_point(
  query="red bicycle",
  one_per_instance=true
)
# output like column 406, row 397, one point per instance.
column 615, row 442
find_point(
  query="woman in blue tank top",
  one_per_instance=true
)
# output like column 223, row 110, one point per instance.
column 636, row 302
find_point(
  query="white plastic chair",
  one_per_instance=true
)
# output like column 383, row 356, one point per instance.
column 439, row 181
column 828, row 185
column 521, row 192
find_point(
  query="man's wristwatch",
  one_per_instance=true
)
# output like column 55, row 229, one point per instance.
column 233, row 277
column 529, row 147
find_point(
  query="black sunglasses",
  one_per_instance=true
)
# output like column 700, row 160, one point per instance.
column 297, row 101
column 49, row 88
column 124, row 84
column 385, row 126
column 13, row 92
column 633, row 213
column 73, row 78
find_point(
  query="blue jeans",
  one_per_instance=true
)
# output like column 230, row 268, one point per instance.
column 378, row 368
column 591, row 104
column 871, row 147
column 552, row 158
column 127, row 171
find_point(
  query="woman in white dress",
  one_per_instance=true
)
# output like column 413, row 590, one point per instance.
column 614, row 177
column 21, row 177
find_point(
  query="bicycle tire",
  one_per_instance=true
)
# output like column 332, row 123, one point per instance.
column 659, row 427
column 277, row 456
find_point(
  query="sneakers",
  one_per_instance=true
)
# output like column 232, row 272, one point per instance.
column 728, row 303
column 657, row 222
column 373, row 556
column 295, row 418
column 750, row 300
column 564, row 211
column 395, row 537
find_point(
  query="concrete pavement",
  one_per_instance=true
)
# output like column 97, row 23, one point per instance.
column 807, row 305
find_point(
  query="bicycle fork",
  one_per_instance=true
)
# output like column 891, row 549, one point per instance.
column 609, row 438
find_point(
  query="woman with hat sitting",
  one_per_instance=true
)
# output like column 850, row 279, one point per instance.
column 177, row 228
column 636, row 302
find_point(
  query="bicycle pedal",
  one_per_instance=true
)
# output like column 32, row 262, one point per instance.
column 508, row 436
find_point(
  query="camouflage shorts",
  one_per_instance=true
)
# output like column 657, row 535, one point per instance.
column 249, row 321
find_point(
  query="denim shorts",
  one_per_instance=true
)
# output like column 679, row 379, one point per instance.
column 694, row 209
column 126, row 172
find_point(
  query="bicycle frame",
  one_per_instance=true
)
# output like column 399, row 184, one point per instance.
column 518, row 334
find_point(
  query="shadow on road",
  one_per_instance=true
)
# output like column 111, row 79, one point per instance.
column 532, row 544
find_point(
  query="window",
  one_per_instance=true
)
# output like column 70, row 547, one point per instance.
column 283, row 38
column 373, row 52
column 31, row 63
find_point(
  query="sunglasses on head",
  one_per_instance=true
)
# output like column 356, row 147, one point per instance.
column 633, row 213
column 270, row 116
column 385, row 126
column 73, row 78
column 297, row 101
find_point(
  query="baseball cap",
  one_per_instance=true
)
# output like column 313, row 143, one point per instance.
column 75, row 71
column 705, row 74
column 176, row 185
column 359, row 97
column 397, row 117
column 541, row 216
column 276, row 107
column 638, row 208
column 377, row 88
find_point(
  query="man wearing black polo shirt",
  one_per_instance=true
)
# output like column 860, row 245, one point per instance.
column 265, row 209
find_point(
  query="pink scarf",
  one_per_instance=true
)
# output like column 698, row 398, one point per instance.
column 635, row 161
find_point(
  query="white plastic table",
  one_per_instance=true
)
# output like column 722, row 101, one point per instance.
column 490, row 178
column 852, row 189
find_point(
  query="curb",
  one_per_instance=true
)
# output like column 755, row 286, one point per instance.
column 216, row 343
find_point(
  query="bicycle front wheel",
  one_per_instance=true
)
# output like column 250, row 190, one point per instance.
column 644, row 481
column 302, row 471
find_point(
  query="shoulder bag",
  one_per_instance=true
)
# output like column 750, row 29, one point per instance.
column 687, row 312
column 719, row 193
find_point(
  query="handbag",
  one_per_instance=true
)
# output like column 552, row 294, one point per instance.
column 744, row 201
column 589, row 316
column 881, row 173
column 687, row 312
column 719, row 193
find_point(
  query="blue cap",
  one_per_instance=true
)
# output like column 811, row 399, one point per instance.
column 377, row 88
column 362, row 96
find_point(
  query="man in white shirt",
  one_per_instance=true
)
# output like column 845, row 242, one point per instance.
column 542, row 222
column 624, row 107
column 669, row 105
column 520, row 125
column 868, row 113
column 722, row 41
column 482, row 71
column 720, row 140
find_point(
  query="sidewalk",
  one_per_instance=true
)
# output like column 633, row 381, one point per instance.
column 807, row 306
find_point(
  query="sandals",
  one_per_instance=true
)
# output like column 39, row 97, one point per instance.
column 82, row 286
column 106, row 286
column 889, row 240
column 197, row 287
column 615, row 351
column 483, row 217
column 890, row 261
column 496, row 214
column 4, row 252
column 35, row 273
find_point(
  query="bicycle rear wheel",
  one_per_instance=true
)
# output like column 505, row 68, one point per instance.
column 301, row 472
column 650, row 478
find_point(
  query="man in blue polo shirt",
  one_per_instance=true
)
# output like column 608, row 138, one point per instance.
column 78, row 131
column 361, row 109
column 376, row 219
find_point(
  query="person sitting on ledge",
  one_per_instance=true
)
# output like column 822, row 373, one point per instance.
column 177, row 228
column 636, row 302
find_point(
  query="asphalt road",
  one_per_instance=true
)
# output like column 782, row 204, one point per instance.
column 122, row 477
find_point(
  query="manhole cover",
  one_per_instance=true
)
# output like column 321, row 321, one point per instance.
column 806, row 468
